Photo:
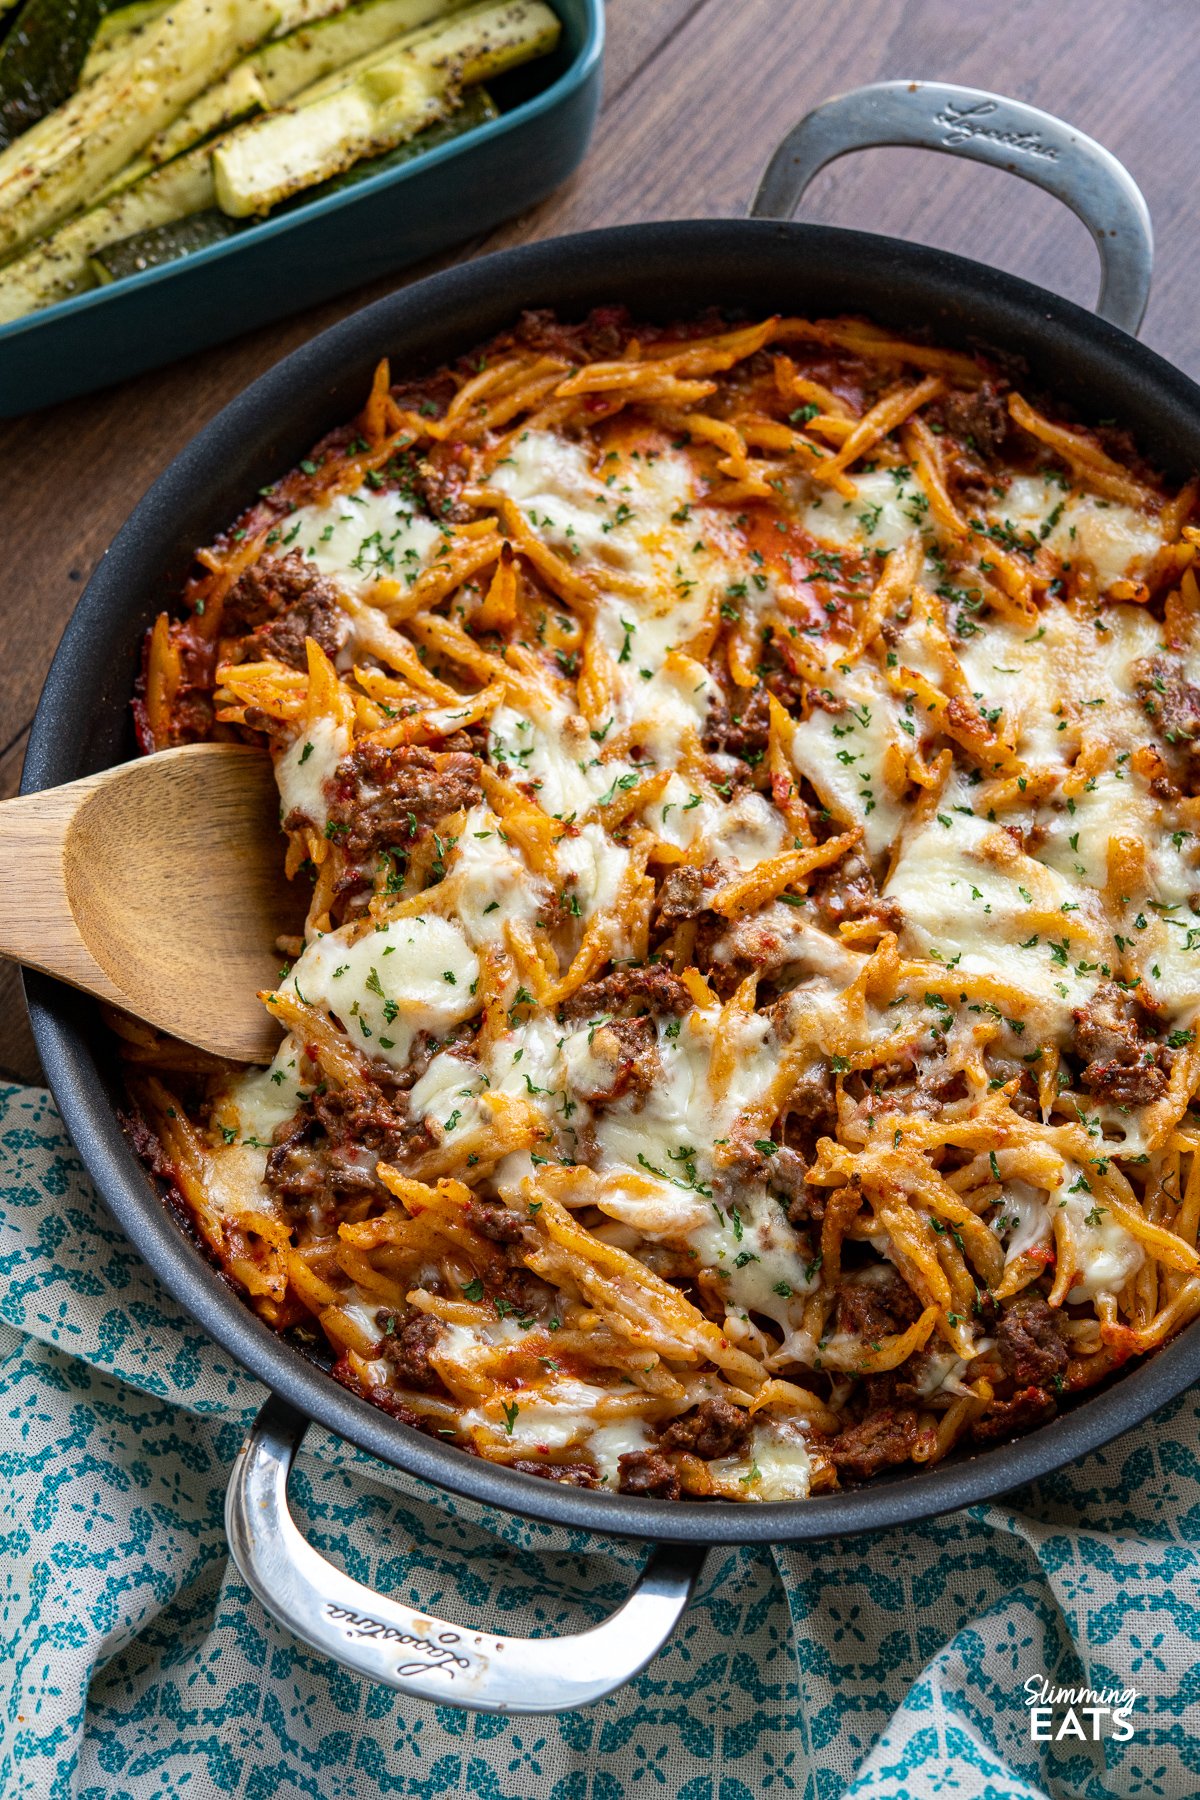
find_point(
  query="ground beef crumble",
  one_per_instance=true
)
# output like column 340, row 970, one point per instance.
column 1026, row 1408
column 277, row 603
column 406, row 1347
column 1172, row 705
column 1121, row 1064
column 652, row 989
column 740, row 727
column 646, row 1472
column 1031, row 1346
column 877, row 1307
column 714, row 1428
column 876, row 1442
column 686, row 892
column 380, row 798
column 626, row 1051
column 847, row 890
column 327, row 1151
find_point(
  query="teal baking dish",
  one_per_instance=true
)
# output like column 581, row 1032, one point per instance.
column 547, row 111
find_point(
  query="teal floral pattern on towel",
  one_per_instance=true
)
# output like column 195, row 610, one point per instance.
column 134, row 1663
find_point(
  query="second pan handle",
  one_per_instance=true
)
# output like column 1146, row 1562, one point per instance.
column 429, row 1658
column 988, row 128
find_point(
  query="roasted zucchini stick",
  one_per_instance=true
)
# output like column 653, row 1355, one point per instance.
column 67, row 157
column 168, row 243
column 162, row 244
column 58, row 268
column 383, row 103
column 119, row 29
column 118, row 32
column 171, row 212
column 237, row 96
column 288, row 65
column 477, row 108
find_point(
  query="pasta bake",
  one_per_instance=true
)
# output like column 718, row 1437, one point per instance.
column 748, row 780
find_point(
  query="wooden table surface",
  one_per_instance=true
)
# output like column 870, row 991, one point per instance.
column 697, row 94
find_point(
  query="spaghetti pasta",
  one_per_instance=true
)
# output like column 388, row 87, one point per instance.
column 745, row 1036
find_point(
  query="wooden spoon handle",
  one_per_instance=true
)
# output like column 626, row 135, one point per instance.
column 37, row 927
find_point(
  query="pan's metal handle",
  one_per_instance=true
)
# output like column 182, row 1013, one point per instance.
column 386, row 1641
column 963, row 121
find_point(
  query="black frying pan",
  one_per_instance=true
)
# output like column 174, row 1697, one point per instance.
column 663, row 271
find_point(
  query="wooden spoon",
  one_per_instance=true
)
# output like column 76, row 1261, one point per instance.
column 157, row 886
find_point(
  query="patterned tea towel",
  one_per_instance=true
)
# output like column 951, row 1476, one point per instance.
column 133, row 1661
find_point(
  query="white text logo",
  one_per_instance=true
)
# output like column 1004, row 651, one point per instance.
column 1057, row 1713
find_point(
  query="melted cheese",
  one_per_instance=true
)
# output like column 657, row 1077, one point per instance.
column 552, row 750
column 843, row 753
column 596, row 867
column 552, row 480
column 1076, row 842
column 607, row 1444
column 563, row 1415
column 889, row 507
column 1115, row 541
column 673, row 1134
column 1106, row 1255
column 384, row 987
column 306, row 766
column 682, row 1109
column 943, row 1372
column 1023, row 1220
column 635, row 517
column 364, row 537
column 264, row 1099
column 1067, row 683
column 775, row 1466
column 493, row 887
column 448, row 1096
column 967, row 893
column 674, row 703
column 746, row 831
column 1166, row 931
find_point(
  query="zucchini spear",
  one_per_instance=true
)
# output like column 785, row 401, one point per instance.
column 167, row 243
column 171, row 212
column 162, row 244
column 287, row 65
column 121, row 27
column 58, row 268
column 68, row 156
column 477, row 108
column 237, row 96
column 375, row 104
column 118, row 32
